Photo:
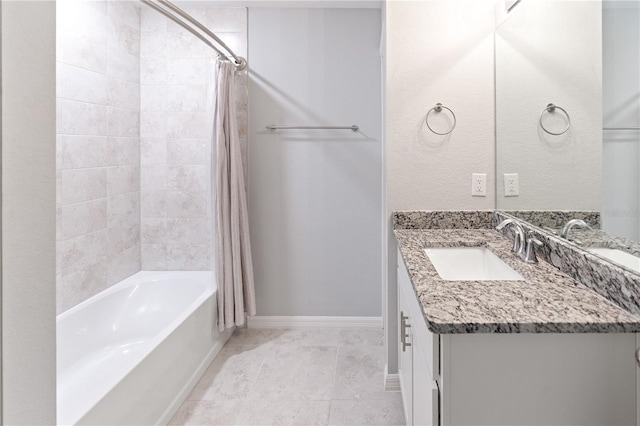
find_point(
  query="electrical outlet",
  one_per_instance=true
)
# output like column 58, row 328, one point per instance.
column 511, row 186
column 479, row 185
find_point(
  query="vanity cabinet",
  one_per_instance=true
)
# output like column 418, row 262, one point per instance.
column 513, row 378
column 417, row 359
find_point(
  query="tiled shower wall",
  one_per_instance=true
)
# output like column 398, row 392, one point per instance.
column 176, row 126
column 98, row 120
column 127, row 203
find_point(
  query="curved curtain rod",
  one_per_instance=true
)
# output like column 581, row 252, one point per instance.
column 239, row 61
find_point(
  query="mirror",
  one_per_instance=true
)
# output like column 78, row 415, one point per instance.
column 580, row 159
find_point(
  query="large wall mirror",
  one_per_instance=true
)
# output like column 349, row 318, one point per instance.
column 580, row 156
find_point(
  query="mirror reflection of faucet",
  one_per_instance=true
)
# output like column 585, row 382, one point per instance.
column 571, row 224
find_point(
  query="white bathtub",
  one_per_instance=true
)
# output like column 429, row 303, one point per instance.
column 131, row 354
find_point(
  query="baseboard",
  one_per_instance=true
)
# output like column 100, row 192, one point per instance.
column 193, row 380
column 304, row 322
column 391, row 381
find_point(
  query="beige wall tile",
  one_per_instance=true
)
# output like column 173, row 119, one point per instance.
column 83, row 252
column 154, row 257
column 79, row 84
column 123, row 122
column 189, row 151
column 123, row 151
column 123, row 179
column 81, row 118
column 82, row 218
column 123, row 264
column 78, row 152
column 188, row 257
column 82, row 185
column 182, row 204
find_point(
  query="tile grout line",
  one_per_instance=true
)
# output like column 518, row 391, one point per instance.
column 333, row 381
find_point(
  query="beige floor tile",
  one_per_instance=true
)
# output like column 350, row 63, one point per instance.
column 359, row 373
column 199, row 413
column 282, row 413
column 231, row 374
column 368, row 412
column 254, row 336
column 285, row 337
column 309, row 337
column 361, row 337
column 296, row 373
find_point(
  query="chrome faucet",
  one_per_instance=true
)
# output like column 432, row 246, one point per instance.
column 573, row 222
column 519, row 239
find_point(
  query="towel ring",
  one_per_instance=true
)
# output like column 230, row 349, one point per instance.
column 551, row 108
column 438, row 108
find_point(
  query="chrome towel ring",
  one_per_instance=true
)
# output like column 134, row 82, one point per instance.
column 438, row 108
column 551, row 108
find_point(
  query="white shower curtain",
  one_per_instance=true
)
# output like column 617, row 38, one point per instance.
column 232, row 251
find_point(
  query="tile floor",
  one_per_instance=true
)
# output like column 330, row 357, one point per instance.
column 295, row 377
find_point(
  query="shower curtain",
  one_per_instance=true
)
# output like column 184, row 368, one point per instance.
column 232, row 250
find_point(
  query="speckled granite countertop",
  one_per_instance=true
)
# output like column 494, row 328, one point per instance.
column 546, row 302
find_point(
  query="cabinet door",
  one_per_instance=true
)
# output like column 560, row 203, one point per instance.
column 425, row 389
column 405, row 354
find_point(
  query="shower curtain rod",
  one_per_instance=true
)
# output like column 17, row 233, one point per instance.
column 238, row 61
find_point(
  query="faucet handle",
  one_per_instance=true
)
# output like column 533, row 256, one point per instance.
column 530, row 255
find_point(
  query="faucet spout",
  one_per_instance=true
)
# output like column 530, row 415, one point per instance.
column 519, row 239
column 573, row 223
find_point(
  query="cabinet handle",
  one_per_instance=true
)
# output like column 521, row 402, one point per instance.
column 638, row 357
column 403, row 331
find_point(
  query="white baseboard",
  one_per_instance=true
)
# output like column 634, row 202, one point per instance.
column 391, row 381
column 313, row 322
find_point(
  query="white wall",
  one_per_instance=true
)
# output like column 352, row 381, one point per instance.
column 550, row 51
column 315, row 197
column 439, row 51
column 436, row 51
column 621, row 108
column 28, row 213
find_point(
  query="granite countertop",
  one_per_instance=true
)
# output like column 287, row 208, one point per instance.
column 547, row 301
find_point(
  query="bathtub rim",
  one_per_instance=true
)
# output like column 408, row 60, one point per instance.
column 138, row 278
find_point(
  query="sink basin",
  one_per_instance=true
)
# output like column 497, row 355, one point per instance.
column 470, row 264
column 618, row 256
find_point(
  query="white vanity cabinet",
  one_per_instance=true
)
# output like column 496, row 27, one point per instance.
column 514, row 378
column 417, row 359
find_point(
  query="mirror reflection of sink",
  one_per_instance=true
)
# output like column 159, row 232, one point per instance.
column 618, row 256
column 470, row 264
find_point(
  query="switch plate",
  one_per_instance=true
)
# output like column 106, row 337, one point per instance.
column 511, row 186
column 479, row 185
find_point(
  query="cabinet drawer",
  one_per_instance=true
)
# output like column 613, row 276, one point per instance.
column 427, row 343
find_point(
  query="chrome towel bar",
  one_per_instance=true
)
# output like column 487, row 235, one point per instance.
column 273, row 127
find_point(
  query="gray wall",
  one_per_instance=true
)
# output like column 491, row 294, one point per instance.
column 28, row 213
column 621, row 90
column 315, row 197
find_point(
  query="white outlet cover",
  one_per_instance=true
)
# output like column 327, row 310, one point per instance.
column 479, row 185
column 511, row 185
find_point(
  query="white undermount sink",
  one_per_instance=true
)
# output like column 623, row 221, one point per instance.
column 618, row 256
column 470, row 264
